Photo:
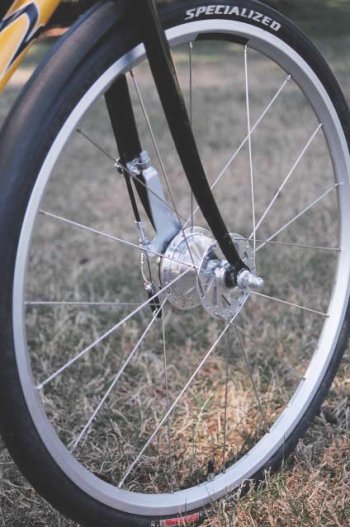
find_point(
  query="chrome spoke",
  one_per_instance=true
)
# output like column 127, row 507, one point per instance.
column 108, row 236
column 226, row 401
column 299, row 215
column 116, row 379
column 245, row 140
column 253, row 129
column 165, row 361
column 190, row 50
column 250, row 373
column 251, row 168
column 258, row 346
column 112, row 330
column 301, row 245
column 160, row 160
column 154, row 140
column 96, row 145
column 291, row 304
column 139, row 181
column 180, row 395
column 39, row 303
column 190, row 61
column 285, row 181
column 262, row 348
column 122, row 168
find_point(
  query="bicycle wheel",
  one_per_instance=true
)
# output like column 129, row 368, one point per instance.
column 124, row 407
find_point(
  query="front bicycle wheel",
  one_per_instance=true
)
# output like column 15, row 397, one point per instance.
column 133, row 405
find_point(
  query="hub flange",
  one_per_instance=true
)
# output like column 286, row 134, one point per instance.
column 206, row 282
column 217, row 298
column 185, row 250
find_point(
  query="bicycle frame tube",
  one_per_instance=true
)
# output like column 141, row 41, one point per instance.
column 18, row 29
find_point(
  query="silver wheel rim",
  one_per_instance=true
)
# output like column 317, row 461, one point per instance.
column 195, row 497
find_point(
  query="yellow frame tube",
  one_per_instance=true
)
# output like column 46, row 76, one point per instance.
column 18, row 29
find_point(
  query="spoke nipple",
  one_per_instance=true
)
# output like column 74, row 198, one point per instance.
column 247, row 280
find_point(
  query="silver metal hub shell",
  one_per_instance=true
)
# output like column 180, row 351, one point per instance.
column 185, row 250
column 219, row 300
column 205, row 283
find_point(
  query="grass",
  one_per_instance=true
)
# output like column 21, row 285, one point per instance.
column 317, row 17
column 312, row 488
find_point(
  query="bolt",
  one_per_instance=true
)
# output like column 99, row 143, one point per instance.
column 247, row 280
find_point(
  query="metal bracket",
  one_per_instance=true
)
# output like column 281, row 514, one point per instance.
column 165, row 221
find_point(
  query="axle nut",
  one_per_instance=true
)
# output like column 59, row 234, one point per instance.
column 248, row 280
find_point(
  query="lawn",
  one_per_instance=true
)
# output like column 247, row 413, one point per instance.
column 317, row 16
column 312, row 487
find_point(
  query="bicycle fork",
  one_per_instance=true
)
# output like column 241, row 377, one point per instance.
column 136, row 166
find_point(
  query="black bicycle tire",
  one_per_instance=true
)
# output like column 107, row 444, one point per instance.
column 84, row 53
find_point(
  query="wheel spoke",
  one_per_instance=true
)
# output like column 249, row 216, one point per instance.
column 250, row 373
column 258, row 346
column 245, row 140
column 112, row 330
column 96, row 145
column 108, row 236
column 116, row 379
column 301, row 246
column 155, row 143
column 180, row 395
column 39, row 303
column 262, row 348
column 291, row 304
column 299, row 215
column 190, row 62
column 122, row 169
column 252, row 182
column 165, row 360
column 140, row 182
column 154, row 140
column 285, row 181
column 226, row 401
